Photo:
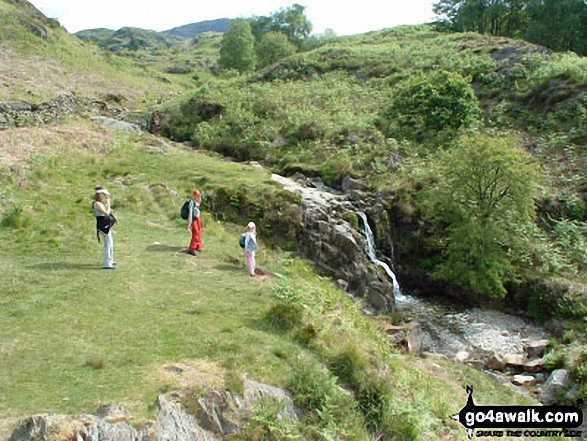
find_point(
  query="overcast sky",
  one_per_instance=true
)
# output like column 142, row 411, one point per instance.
column 345, row 18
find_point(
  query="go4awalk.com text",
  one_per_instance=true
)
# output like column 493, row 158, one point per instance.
column 519, row 421
column 528, row 433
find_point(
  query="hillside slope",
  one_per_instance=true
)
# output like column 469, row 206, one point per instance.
column 111, row 335
column 73, row 337
column 191, row 30
column 40, row 60
column 127, row 38
column 386, row 106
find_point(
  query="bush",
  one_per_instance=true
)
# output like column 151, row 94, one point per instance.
column 284, row 317
column 555, row 359
column 349, row 363
column 431, row 107
column 329, row 411
column 17, row 218
column 265, row 424
column 272, row 47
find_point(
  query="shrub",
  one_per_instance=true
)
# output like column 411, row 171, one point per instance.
column 555, row 359
column 266, row 424
column 571, row 237
column 284, row 317
column 348, row 363
column 272, row 47
column 431, row 107
column 17, row 218
column 329, row 411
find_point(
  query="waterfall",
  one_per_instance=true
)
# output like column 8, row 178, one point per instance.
column 452, row 329
column 373, row 255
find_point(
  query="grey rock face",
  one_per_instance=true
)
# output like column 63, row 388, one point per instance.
column 219, row 413
column 116, row 124
column 335, row 247
column 174, row 423
column 85, row 427
column 62, row 107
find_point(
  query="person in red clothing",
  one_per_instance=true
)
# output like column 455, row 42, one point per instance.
column 195, row 223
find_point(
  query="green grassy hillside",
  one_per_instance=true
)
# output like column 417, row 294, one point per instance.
column 130, row 39
column 385, row 106
column 40, row 60
column 344, row 89
column 75, row 336
column 220, row 25
column 443, row 123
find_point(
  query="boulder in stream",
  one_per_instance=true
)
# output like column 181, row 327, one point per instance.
column 557, row 382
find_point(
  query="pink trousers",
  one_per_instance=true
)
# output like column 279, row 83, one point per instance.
column 250, row 260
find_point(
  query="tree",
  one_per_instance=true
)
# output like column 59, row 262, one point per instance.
column 482, row 198
column 289, row 21
column 272, row 47
column 316, row 40
column 494, row 17
column 446, row 11
column 238, row 47
column 558, row 24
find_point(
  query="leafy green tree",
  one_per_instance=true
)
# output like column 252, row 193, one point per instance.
column 482, row 196
column 238, row 47
column 446, row 12
column 290, row 21
column 316, row 40
column 272, row 47
column 431, row 107
column 494, row 17
column 558, row 24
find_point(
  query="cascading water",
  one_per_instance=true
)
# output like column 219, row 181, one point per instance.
column 446, row 329
column 371, row 251
column 450, row 329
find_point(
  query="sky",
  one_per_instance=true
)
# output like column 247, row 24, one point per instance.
column 344, row 18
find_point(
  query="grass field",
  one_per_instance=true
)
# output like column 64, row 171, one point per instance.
column 74, row 336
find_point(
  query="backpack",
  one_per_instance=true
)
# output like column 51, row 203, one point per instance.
column 185, row 210
column 241, row 241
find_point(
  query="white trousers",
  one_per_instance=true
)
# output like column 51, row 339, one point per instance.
column 108, row 252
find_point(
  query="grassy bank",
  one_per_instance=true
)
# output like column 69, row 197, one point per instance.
column 74, row 336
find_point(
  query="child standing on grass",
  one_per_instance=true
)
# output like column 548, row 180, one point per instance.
column 195, row 223
column 250, row 236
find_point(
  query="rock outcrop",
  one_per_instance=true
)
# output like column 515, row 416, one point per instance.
column 212, row 415
column 336, row 248
column 556, row 384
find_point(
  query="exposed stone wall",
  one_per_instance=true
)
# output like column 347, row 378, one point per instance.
column 62, row 107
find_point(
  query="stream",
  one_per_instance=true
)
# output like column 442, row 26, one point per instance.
column 453, row 329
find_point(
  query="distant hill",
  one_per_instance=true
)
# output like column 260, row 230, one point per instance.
column 191, row 30
column 41, row 60
column 95, row 35
column 129, row 38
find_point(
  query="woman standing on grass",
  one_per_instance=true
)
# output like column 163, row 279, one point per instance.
column 195, row 223
column 250, row 236
column 103, row 213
